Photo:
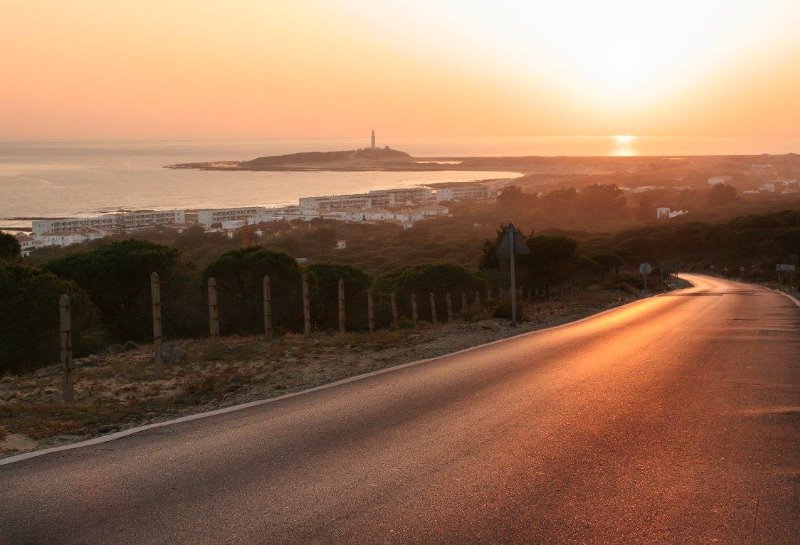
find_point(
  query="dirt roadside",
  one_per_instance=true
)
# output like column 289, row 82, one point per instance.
column 118, row 391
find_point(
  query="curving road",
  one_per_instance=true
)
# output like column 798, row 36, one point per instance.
column 675, row 419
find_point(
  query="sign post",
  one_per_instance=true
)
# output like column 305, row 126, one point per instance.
column 510, row 245
column 785, row 267
column 645, row 269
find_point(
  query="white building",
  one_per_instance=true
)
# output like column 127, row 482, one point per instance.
column 31, row 242
column 359, row 201
column 209, row 216
column 716, row 180
column 121, row 221
column 662, row 213
column 461, row 192
column 400, row 197
column 767, row 186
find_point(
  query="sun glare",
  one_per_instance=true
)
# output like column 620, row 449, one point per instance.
column 624, row 145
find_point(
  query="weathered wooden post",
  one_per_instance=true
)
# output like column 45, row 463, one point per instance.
column 449, row 300
column 414, row 313
column 213, row 318
column 306, row 307
column 488, row 294
column 342, row 316
column 395, row 321
column 155, row 295
column 267, row 292
column 477, row 298
column 370, row 311
column 66, row 347
column 432, row 299
column 463, row 302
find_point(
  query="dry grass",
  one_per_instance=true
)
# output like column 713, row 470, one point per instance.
column 123, row 390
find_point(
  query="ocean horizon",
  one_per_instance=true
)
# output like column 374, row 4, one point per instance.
column 49, row 178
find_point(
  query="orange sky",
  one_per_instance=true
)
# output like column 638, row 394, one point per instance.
column 268, row 68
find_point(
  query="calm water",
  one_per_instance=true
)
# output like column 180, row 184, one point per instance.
column 79, row 178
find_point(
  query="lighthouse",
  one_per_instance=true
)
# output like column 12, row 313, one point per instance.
column 373, row 138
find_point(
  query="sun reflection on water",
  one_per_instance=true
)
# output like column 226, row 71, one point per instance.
column 624, row 145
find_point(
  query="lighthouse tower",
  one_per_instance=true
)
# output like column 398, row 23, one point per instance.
column 373, row 138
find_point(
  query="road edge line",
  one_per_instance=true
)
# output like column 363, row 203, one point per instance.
column 259, row 402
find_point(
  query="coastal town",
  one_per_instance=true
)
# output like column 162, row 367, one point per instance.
column 403, row 206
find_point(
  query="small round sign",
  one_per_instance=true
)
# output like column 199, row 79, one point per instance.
column 645, row 268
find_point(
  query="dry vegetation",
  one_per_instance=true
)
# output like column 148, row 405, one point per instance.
column 121, row 390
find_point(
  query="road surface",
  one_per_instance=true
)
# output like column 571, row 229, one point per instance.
column 672, row 420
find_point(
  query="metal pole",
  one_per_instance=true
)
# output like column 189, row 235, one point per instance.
column 66, row 347
column 155, row 294
column 267, row 308
column 395, row 321
column 513, row 282
column 306, row 307
column 342, row 317
column 370, row 311
column 213, row 317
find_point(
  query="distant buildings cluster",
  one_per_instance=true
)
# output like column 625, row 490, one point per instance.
column 404, row 206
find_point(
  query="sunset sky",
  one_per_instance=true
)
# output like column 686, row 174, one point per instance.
column 303, row 68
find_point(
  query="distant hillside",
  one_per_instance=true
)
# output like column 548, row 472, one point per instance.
column 321, row 157
column 312, row 159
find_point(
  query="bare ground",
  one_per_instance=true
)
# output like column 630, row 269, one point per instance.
column 118, row 391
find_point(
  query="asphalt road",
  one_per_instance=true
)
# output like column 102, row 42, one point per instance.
column 672, row 420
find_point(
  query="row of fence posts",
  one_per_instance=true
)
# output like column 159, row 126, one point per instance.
column 547, row 293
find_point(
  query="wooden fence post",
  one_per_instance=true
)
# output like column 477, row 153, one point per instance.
column 477, row 298
column 306, row 307
column 267, row 292
column 66, row 347
column 155, row 295
column 342, row 316
column 370, row 311
column 213, row 318
column 432, row 299
column 395, row 321
column 463, row 302
column 488, row 294
column 449, row 301
column 414, row 313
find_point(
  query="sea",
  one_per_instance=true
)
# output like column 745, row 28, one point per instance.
column 41, row 178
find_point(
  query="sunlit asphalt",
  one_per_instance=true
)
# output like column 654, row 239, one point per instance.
column 672, row 420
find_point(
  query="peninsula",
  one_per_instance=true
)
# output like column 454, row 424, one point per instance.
column 361, row 159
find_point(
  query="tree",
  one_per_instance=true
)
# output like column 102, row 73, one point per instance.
column 438, row 278
column 117, row 278
column 720, row 194
column 599, row 201
column 326, row 303
column 239, row 275
column 551, row 261
column 29, row 318
column 9, row 248
column 608, row 262
column 489, row 257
